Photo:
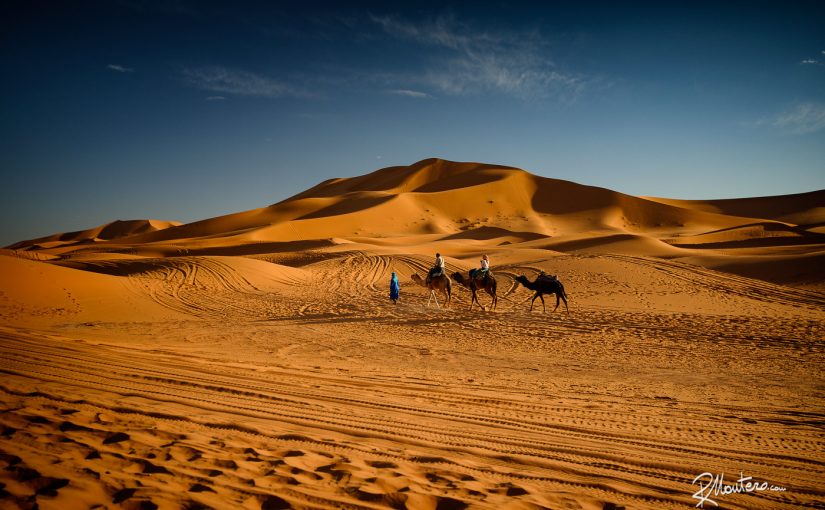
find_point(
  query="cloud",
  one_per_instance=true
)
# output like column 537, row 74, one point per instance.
column 120, row 69
column 470, row 61
column 215, row 98
column 242, row 83
column 801, row 119
column 809, row 61
column 409, row 93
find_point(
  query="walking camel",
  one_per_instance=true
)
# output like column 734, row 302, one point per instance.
column 439, row 283
column 486, row 283
column 544, row 285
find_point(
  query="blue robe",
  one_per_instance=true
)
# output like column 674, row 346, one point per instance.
column 394, row 288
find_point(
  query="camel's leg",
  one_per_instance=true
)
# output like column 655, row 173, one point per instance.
column 565, row 303
column 543, row 305
column 475, row 297
column 557, row 303
column 533, row 301
column 432, row 293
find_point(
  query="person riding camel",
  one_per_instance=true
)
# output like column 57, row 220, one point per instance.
column 438, row 269
column 485, row 268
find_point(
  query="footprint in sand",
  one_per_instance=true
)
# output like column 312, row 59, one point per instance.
column 117, row 437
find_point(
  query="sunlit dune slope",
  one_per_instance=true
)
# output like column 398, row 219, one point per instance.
column 35, row 291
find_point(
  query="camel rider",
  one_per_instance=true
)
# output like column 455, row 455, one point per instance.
column 439, row 267
column 485, row 268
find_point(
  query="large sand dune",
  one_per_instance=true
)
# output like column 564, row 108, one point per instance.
column 254, row 360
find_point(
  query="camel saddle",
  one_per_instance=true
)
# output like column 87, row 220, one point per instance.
column 548, row 277
column 479, row 274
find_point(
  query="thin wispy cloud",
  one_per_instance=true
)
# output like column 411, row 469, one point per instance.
column 800, row 119
column 215, row 98
column 812, row 61
column 119, row 68
column 409, row 93
column 241, row 83
column 469, row 61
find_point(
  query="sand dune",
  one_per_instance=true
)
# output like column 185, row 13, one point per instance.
column 439, row 196
column 114, row 230
column 800, row 209
column 254, row 360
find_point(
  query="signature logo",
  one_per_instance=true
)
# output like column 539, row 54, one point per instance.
column 714, row 485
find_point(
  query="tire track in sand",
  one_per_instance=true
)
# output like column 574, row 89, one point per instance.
column 533, row 446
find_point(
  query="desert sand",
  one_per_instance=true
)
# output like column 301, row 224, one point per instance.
column 254, row 360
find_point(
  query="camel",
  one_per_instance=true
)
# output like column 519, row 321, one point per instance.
column 487, row 283
column 545, row 285
column 441, row 283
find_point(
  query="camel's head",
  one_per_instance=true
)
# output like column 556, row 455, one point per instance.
column 522, row 279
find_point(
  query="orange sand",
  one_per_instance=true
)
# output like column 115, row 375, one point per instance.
column 254, row 360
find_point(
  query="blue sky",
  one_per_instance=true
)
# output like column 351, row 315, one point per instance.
column 187, row 110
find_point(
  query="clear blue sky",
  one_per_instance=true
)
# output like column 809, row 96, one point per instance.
column 185, row 110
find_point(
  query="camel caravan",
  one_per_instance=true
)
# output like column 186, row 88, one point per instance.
column 482, row 279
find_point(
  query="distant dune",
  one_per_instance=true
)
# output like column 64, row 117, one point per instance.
column 804, row 209
column 115, row 230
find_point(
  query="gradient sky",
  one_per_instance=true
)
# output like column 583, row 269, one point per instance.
column 185, row 110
